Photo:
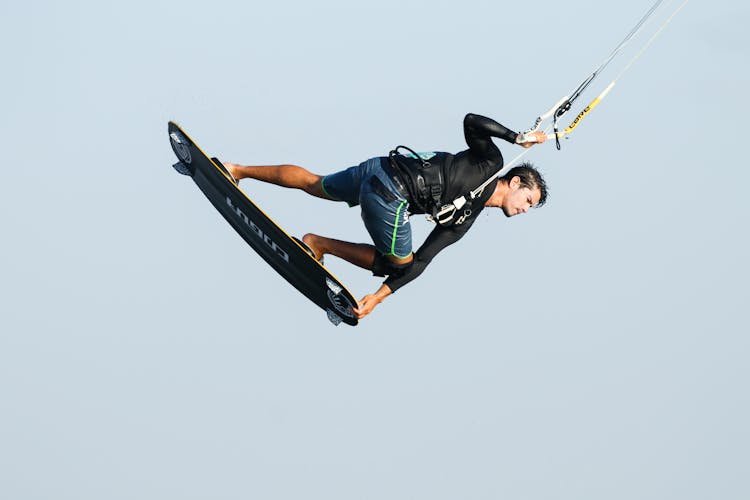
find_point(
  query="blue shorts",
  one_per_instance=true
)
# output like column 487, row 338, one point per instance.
column 384, row 209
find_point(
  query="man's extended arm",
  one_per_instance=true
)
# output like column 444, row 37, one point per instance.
column 437, row 240
column 479, row 131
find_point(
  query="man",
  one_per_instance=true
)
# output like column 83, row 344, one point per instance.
column 389, row 188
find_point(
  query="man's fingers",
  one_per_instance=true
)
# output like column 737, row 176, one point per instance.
column 361, row 312
column 533, row 138
column 366, row 305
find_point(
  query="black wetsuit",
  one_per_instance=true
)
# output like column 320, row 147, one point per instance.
column 463, row 172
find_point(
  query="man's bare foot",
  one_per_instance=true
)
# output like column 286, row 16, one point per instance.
column 313, row 242
column 233, row 170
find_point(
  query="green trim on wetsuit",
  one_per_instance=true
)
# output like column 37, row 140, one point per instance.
column 395, row 233
column 323, row 187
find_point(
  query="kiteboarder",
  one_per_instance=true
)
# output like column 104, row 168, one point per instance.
column 389, row 189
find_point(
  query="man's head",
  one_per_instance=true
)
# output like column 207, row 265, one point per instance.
column 520, row 189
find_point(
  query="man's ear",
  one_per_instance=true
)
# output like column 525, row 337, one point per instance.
column 515, row 182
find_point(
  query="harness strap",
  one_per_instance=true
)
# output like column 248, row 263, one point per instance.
column 425, row 185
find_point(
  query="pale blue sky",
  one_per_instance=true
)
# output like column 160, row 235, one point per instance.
column 593, row 349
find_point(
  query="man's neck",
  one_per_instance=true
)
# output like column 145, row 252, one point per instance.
column 497, row 198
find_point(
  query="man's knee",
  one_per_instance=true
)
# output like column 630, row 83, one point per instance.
column 390, row 266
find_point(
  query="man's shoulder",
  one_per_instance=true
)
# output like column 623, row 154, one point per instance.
column 483, row 164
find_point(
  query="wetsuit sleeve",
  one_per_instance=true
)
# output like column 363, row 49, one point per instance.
column 437, row 240
column 479, row 131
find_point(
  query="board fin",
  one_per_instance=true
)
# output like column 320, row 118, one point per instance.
column 182, row 168
column 333, row 317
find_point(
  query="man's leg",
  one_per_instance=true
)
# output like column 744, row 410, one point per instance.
column 290, row 176
column 359, row 254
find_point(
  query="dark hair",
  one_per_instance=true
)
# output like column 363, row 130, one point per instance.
column 530, row 178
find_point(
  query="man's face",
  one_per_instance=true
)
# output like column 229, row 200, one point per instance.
column 519, row 199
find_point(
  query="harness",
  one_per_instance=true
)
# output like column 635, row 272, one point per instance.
column 423, row 181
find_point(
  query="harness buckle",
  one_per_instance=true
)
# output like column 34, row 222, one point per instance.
column 444, row 215
column 466, row 215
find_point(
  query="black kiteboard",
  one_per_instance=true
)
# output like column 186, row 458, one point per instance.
column 271, row 242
